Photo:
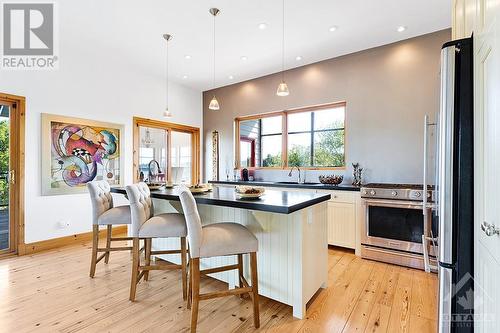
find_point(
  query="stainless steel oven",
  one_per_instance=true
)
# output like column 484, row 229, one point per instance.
column 395, row 225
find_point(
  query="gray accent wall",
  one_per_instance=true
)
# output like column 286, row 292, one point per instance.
column 387, row 89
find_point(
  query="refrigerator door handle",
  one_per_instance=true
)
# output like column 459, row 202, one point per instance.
column 445, row 151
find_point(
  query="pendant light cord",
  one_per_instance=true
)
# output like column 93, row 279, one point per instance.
column 213, row 77
column 283, row 44
column 167, row 75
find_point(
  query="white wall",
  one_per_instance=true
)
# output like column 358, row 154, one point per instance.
column 92, row 82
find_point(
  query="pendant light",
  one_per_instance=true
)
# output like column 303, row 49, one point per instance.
column 214, row 103
column 282, row 87
column 167, row 113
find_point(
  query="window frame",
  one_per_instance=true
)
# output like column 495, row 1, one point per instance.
column 285, row 133
column 168, row 127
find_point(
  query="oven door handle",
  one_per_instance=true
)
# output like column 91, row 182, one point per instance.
column 394, row 204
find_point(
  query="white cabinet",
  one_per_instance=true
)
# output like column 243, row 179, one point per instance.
column 342, row 224
column 343, row 214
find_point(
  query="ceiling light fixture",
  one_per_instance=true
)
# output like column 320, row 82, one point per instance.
column 167, row 113
column 298, row 58
column 214, row 103
column 230, row 77
column 184, row 77
column 333, row 28
column 401, row 28
column 187, row 57
column 244, row 58
column 262, row 26
column 282, row 87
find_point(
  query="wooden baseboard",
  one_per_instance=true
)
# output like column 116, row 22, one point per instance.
column 49, row 244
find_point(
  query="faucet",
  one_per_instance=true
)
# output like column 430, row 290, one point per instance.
column 290, row 173
column 151, row 170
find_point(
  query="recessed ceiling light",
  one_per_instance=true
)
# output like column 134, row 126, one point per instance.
column 187, row 57
column 184, row 77
column 262, row 26
column 244, row 58
column 401, row 28
column 230, row 77
column 333, row 28
column 298, row 58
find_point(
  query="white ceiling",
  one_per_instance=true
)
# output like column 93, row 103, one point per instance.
column 133, row 29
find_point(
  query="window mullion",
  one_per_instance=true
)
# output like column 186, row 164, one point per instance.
column 312, row 138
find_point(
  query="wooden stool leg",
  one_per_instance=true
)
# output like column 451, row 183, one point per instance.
column 196, row 292
column 240, row 272
column 95, row 244
column 108, row 242
column 147, row 256
column 135, row 268
column 183, row 268
column 190, row 283
column 255, row 289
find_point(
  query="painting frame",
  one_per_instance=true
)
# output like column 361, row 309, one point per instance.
column 47, row 152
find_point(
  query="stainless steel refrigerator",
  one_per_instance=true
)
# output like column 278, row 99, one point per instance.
column 453, row 209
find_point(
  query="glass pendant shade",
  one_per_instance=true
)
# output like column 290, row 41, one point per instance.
column 214, row 104
column 167, row 113
column 282, row 89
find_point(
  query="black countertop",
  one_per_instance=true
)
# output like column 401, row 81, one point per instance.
column 273, row 201
column 311, row 186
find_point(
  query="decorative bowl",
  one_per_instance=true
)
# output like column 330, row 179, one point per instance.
column 249, row 192
column 331, row 179
column 155, row 186
column 200, row 188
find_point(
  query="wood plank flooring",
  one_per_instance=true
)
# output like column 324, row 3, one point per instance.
column 51, row 292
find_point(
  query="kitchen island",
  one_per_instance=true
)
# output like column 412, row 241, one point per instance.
column 291, row 228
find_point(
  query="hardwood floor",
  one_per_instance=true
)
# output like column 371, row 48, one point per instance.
column 51, row 292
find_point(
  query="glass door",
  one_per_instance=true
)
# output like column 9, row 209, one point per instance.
column 182, row 157
column 153, row 152
column 6, row 230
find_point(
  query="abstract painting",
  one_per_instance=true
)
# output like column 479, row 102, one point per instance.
column 76, row 151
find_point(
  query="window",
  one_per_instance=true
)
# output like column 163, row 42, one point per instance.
column 314, row 138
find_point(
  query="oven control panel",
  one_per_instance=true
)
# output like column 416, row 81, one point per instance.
column 396, row 191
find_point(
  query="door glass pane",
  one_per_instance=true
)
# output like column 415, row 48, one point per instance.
column 4, row 177
column 152, row 148
column 181, row 158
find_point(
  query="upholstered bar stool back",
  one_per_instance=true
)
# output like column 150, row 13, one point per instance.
column 146, row 225
column 141, row 206
column 104, row 213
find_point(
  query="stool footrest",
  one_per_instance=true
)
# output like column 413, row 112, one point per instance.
column 112, row 249
column 166, row 252
column 159, row 267
column 100, row 257
column 219, row 269
column 121, row 238
column 216, row 294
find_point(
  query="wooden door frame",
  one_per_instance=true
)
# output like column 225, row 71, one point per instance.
column 16, row 205
column 169, row 127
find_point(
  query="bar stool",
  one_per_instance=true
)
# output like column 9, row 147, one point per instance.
column 104, row 213
column 214, row 240
column 147, row 226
